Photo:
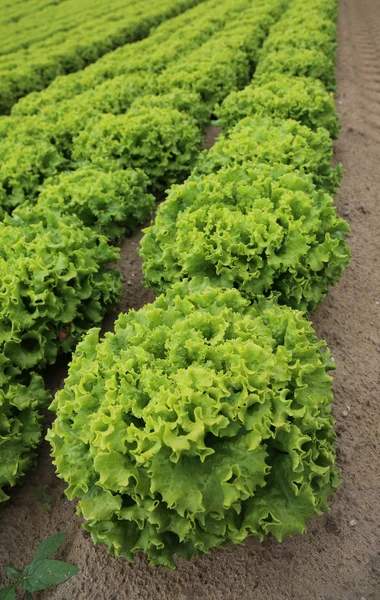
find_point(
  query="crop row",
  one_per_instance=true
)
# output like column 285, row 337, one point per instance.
column 248, row 217
column 206, row 416
column 168, row 42
column 136, row 111
column 53, row 23
column 33, row 68
column 171, row 42
column 66, row 182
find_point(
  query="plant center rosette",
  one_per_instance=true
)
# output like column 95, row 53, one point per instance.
column 200, row 421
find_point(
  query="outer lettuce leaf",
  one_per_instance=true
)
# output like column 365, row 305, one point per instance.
column 201, row 420
column 55, row 283
column 260, row 229
column 300, row 98
column 111, row 203
column 263, row 140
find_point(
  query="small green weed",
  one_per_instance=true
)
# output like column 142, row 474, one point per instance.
column 40, row 573
column 43, row 495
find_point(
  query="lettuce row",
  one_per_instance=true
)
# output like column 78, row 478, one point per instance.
column 69, row 134
column 206, row 416
column 295, row 72
column 34, row 68
column 225, row 62
column 257, row 228
column 265, row 140
column 305, row 55
column 20, row 423
column 55, row 283
column 55, row 307
column 170, row 42
column 201, row 420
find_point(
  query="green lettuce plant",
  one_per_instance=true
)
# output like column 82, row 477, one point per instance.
column 55, row 283
column 212, row 76
column 25, row 163
column 297, row 62
column 264, row 140
column 260, row 229
column 111, row 203
column 300, row 98
column 21, row 396
column 314, row 36
column 202, row 420
column 164, row 143
column 179, row 99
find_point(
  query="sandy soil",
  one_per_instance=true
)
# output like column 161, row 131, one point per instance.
column 339, row 557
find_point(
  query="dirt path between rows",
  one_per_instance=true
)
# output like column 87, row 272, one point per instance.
column 339, row 557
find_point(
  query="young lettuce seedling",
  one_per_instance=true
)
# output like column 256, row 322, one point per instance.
column 40, row 573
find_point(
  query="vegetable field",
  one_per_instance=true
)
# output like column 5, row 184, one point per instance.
column 189, row 299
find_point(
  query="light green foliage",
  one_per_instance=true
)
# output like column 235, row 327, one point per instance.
column 224, row 63
column 169, row 42
column 114, row 96
column 25, row 163
column 197, row 76
column 264, row 140
column 301, row 43
column 41, row 573
column 306, row 12
column 55, row 283
column 36, row 66
column 179, row 99
column 260, row 229
column 320, row 34
column 164, row 143
column 300, row 98
column 201, row 420
column 111, row 203
column 297, row 62
column 221, row 71
column 20, row 423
